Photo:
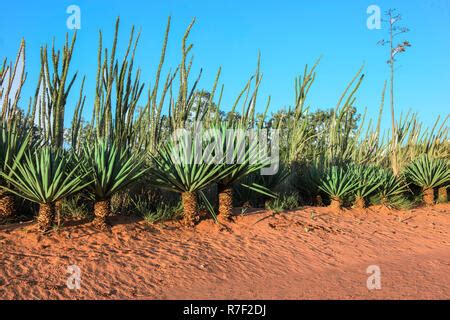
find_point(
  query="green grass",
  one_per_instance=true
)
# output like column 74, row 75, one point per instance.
column 284, row 202
column 164, row 212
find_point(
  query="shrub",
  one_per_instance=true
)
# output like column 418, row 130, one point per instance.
column 367, row 181
column 428, row 173
column 338, row 183
column 392, row 189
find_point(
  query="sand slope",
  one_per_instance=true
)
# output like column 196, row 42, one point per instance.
column 311, row 253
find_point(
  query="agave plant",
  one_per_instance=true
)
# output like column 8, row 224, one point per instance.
column 338, row 184
column 13, row 143
column 179, row 167
column 111, row 169
column 367, row 183
column 428, row 173
column 241, row 161
column 45, row 177
column 391, row 187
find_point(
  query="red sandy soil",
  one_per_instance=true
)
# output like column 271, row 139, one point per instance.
column 312, row 253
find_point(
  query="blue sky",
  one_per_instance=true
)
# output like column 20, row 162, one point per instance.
column 289, row 35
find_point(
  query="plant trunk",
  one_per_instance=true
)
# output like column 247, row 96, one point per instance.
column 360, row 203
column 428, row 196
column 7, row 206
column 190, row 209
column 336, row 203
column 442, row 195
column 225, row 201
column 46, row 216
column 102, row 209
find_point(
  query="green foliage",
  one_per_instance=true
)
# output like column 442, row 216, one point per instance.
column 284, row 202
column 307, row 179
column 13, row 144
column 367, row 180
column 392, row 188
column 179, row 168
column 427, row 172
column 163, row 212
column 110, row 168
column 338, row 183
column 256, row 188
column 46, row 176
column 243, row 159
column 75, row 206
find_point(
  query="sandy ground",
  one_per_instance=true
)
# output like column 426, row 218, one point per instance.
column 311, row 253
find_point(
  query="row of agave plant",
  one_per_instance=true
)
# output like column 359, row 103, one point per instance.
column 358, row 183
column 334, row 156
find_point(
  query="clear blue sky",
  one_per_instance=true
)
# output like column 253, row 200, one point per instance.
column 289, row 34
